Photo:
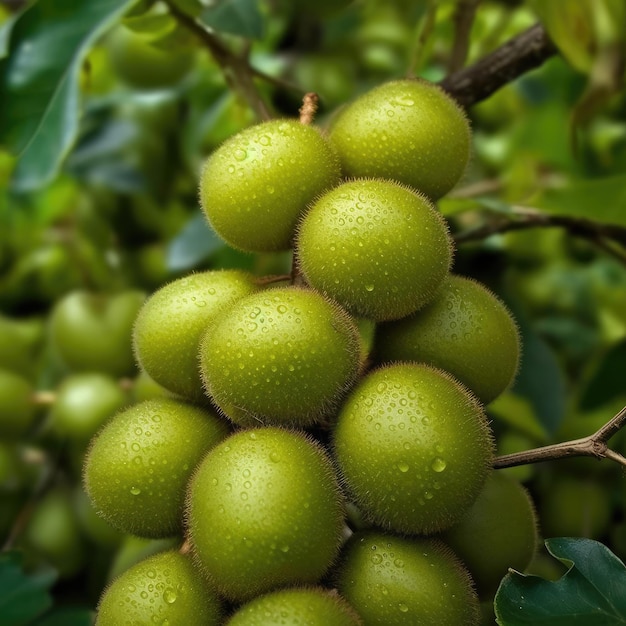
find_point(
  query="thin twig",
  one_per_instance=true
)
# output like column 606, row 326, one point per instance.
column 236, row 69
column 463, row 21
column 517, row 56
column 594, row 445
column 309, row 108
column 522, row 217
column 425, row 32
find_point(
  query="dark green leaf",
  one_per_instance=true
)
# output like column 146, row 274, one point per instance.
column 601, row 200
column 540, row 379
column 39, row 87
column 193, row 244
column 607, row 381
column 591, row 593
column 66, row 617
column 235, row 17
column 23, row 597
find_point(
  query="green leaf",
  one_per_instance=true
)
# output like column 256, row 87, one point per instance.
column 66, row 617
column 235, row 17
column 591, row 593
column 601, row 200
column 193, row 244
column 517, row 412
column 23, row 597
column 39, row 86
column 607, row 381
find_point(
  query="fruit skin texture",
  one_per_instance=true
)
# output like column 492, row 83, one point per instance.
column 138, row 465
column 466, row 330
column 313, row 606
column 163, row 589
column 405, row 581
column 264, row 511
column 499, row 531
column 406, row 130
column 92, row 331
column 282, row 356
column 255, row 186
column 376, row 247
column 170, row 324
column 413, row 447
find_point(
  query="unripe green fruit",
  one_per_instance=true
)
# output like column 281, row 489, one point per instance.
column 413, row 447
column 92, row 332
column 19, row 339
column 163, row 589
column 313, row 606
column 255, row 186
column 466, row 330
column 170, row 323
column 378, row 248
column 264, row 511
column 138, row 465
column 83, row 403
column 283, row 356
column 145, row 388
column 406, row 130
column 98, row 530
column 398, row 581
column 145, row 63
column 17, row 409
column 498, row 532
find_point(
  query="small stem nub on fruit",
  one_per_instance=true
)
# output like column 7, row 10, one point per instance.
column 308, row 108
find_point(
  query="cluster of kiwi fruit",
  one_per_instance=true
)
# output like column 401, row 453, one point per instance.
column 325, row 441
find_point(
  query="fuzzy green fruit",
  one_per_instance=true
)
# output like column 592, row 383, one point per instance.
column 406, row 130
column 313, row 606
column 283, row 356
column 92, row 332
column 466, row 330
column 17, row 408
column 413, row 447
column 255, row 186
column 498, row 532
column 376, row 247
column 264, row 511
column 171, row 322
column 163, row 589
column 138, row 465
column 84, row 402
column 394, row 581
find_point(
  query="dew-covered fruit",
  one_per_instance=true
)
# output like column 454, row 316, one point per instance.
column 92, row 331
column 405, row 130
column 163, row 589
column 466, row 330
column 313, row 606
column 498, row 532
column 376, row 247
column 138, row 465
column 394, row 581
column 255, row 186
column 83, row 403
column 264, row 511
column 282, row 356
column 170, row 323
column 17, row 408
column 413, row 447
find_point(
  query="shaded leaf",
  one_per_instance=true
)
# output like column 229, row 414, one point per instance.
column 23, row 597
column 517, row 412
column 591, row 593
column 39, row 82
column 601, row 200
column 193, row 244
column 235, row 17
column 607, row 381
column 66, row 617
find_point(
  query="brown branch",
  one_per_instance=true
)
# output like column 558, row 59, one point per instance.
column 235, row 68
column 308, row 108
column 463, row 21
column 594, row 445
column 525, row 52
column 521, row 218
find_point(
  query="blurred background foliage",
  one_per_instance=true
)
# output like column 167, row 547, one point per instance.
column 109, row 109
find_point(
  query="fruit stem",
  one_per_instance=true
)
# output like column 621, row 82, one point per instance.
column 594, row 445
column 308, row 109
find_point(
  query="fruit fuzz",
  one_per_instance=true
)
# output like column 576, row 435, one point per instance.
column 256, row 497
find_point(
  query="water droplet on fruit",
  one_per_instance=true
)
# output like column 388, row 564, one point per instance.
column 284, row 548
column 135, row 491
column 403, row 607
column 170, row 596
column 403, row 467
column 274, row 457
column 240, row 154
column 369, row 287
column 438, row 464
column 376, row 559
